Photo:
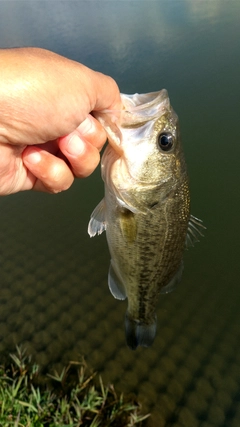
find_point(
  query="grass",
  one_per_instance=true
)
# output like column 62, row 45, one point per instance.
column 75, row 397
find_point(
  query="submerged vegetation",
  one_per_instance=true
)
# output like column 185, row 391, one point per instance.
column 75, row 397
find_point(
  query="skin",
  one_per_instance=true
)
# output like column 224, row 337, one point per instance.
column 47, row 134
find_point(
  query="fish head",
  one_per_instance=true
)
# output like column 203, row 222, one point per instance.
column 145, row 150
column 150, row 138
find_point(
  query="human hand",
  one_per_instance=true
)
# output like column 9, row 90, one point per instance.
column 47, row 134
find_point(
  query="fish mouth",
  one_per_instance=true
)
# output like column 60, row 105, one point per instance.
column 142, row 108
column 137, row 110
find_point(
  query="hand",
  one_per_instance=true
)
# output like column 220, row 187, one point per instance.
column 47, row 134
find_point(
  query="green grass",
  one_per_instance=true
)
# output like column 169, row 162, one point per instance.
column 75, row 397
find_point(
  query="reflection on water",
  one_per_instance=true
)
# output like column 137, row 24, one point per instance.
column 54, row 294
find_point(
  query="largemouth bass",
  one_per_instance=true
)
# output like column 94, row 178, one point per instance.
column 146, row 208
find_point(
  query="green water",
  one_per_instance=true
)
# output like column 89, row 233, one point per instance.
column 53, row 294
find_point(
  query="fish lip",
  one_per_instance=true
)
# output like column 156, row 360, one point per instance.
column 136, row 101
column 113, row 126
column 117, row 148
column 134, row 110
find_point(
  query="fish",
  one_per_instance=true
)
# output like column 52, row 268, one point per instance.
column 146, row 207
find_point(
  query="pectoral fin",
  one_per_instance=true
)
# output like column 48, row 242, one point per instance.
column 97, row 223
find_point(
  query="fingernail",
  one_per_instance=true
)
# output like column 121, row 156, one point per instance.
column 33, row 157
column 75, row 146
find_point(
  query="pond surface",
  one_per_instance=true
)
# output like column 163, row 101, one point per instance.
column 54, row 296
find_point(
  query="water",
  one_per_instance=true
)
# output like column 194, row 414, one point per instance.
column 54, row 296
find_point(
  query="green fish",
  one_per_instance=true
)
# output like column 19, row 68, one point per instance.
column 146, row 207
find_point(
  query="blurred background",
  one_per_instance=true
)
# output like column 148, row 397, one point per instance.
column 54, row 297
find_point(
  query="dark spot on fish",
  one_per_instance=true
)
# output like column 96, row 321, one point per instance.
column 126, row 212
column 153, row 205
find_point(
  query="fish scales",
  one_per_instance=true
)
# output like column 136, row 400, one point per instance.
column 146, row 207
column 157, row 251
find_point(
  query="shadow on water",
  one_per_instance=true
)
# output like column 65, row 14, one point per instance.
column 54, row 296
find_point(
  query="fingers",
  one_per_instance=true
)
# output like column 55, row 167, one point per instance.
column 82, row 155
column 52, row 174
column 80, row 151
column 82, row 146
column 47, row 172
column 93, row 131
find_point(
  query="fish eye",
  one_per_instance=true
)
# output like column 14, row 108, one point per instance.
column 165, row 141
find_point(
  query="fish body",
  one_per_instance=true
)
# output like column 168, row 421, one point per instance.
column 146, row 207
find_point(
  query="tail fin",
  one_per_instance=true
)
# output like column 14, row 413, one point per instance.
column 139, row 333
